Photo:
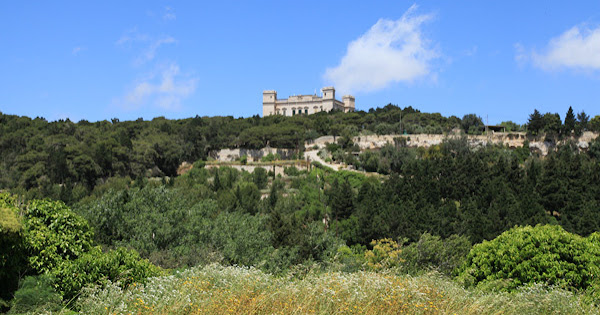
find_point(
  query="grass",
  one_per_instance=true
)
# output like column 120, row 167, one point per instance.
column 235, row 290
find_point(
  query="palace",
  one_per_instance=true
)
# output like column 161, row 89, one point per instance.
column 305, row 104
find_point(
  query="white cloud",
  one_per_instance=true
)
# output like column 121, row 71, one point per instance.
column 391, row 51
column 169, row 14
column 150, row 52
column 77, row 50
column 165, row 88
column 576, row 49
column 131, row 36
column 471, row 51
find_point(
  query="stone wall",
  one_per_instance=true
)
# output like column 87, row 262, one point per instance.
column 228, row 155
column 511, row 140
column 278, row 169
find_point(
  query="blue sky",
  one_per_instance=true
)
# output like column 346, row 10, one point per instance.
column 130, row 59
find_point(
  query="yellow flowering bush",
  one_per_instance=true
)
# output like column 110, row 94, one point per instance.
column 385, row 254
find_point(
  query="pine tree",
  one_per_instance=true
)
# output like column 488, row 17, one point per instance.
column 535, row 123
column 569, row 125
column 582, row 123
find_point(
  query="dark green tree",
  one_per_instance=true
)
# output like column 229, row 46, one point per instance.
column 582, row 123
column 472, row 124
column 569, row 125
column 535, row 123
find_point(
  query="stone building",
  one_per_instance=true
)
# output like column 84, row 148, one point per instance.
column 305, row 104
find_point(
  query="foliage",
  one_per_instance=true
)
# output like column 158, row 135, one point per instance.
column 121, row 266
column 260, row 178
column 569, row 125
column 217, row 290
column 535, row 123
column 595, row 123
column 13, row 258
column 36, row 294
column 53, row 233
column 385, row 254
column 525, row 255
column 472, row 124
column 433, row 252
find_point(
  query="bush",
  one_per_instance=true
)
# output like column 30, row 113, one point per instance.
column 385, row 254
column 54, row 233
column 13, row 260
column 36, row 295
column 291, row 171
column 95, row 267
column 433, row 252
column 525, row 255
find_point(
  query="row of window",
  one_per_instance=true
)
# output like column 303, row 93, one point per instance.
column 299, row 111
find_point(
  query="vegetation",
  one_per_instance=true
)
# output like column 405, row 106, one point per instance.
column 224, row 290
column 53, row 246
column 126, row 222
column 527, row 255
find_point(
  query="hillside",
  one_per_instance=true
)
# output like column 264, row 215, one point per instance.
column 126, row 229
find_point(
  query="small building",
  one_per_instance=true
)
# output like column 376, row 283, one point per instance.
column 305, row 104
column 495, row 128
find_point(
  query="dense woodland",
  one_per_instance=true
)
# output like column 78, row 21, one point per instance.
column 123, row 202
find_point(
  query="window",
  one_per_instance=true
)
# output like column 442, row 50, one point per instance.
column 306, row 111
column 293, row 112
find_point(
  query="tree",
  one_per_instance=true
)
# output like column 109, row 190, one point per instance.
column 582, row 123
column 569, row 125
column 595, row 123
column 471, row 123
column 552, row 124
column 341, row 199
column 535, row 123
column 259, row 177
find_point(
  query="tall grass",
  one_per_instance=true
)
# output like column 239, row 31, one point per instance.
column 236, row 290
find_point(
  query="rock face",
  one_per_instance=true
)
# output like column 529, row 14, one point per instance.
column 511, row 140
column 228, row 155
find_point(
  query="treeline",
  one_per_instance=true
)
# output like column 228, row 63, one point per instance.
column 65, row 160
column 552, row 126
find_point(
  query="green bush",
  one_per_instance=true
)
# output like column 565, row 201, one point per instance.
column 36, row 295
column 291, row 171
column 95, row 267
column 433, row 252
column 13, row 260
column 54, row 233
column 260, row 177
column 525, row 255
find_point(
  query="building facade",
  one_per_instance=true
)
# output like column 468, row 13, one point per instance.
column 305, row 104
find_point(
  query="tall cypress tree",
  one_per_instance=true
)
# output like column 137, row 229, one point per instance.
column 569, row 125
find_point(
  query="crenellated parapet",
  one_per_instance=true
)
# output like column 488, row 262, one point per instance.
column 305, row 104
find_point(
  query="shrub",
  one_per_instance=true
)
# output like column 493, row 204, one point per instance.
column 433, row 252
column 291, row 171
column 385, row 254
column 95, row 267
column 12, row 254
column 54, row 233
column 525, row 255
column 36, row 295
